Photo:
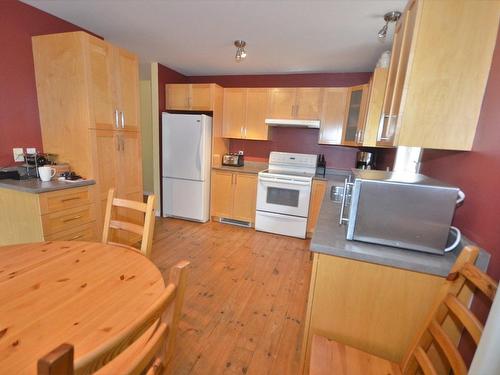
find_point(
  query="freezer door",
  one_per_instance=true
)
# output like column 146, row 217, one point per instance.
column 186, row 199
column 186, row 146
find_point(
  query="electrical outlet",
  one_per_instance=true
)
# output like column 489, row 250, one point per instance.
column 18, row 154
column 31, row 150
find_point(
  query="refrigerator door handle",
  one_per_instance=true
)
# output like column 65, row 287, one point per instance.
column 199, row 164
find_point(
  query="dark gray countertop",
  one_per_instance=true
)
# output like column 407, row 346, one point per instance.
column 249, row 167
column 36, row 186
column 329, row 238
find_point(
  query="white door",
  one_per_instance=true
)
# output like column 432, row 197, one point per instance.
column 183, row 146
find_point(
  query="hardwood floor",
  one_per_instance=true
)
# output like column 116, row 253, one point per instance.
column 245, row 301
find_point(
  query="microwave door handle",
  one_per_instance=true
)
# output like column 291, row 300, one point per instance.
column 342, row 204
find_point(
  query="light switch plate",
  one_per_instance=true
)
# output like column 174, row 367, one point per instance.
column 18, row 154
column 31, row 150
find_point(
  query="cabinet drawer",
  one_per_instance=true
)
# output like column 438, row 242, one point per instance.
column 85, row 232
column 67, row 219
column 64, row 199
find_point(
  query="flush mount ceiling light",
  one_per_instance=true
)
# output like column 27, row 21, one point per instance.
column 240, row 50
column 388, row 17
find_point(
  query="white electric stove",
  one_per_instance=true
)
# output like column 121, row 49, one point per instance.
column 284, row 192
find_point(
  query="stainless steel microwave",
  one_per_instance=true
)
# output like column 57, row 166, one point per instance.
column 405, row 210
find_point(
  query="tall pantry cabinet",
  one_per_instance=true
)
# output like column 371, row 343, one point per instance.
column 89, row 111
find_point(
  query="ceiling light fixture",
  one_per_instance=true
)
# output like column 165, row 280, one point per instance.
column 240, row 50
column 388, row 17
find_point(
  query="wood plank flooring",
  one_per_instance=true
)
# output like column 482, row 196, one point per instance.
column 246, row 297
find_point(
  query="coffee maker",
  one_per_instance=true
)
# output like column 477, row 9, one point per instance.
column 365, row 160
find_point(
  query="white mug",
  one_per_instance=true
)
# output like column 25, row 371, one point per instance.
column 46, row 173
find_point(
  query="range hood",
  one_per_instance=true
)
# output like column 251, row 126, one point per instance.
column 314, row 124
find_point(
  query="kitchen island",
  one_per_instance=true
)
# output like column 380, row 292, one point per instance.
column 369, row 296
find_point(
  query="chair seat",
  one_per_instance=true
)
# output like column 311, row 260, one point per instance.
column 330, row 357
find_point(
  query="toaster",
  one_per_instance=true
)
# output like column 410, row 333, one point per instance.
column 233, row 160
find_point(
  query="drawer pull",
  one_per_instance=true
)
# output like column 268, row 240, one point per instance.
column 76, row 237
column 70, row 199
column 72, row 218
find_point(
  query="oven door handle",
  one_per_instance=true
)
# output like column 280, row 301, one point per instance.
column 282, row 181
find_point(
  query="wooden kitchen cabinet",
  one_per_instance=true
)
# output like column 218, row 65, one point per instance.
column 233, row 195
column 295, row 103
column 87, row 93
column 373, row 111
column 65, row 215
column 244, row 113
column 318, row 191
column 114, row 81
column 234, row 112
column 332, row 115
column 438, row 74
column 354, row 121
column 245, row 195
column 190, row 96
column 374, row 308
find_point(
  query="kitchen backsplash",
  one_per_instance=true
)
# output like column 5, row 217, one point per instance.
column 295, row 140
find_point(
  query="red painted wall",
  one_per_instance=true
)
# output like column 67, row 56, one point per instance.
column 286, row 139
column 286, row 80
column 295, row 140
column 19, row 120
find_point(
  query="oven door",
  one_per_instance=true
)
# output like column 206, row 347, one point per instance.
column 284, row 195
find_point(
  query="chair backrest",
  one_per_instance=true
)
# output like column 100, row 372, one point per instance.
column 155, row 329
column 447, row 304
column 146, row 230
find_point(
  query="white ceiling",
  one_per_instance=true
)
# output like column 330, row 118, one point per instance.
column 195, row 37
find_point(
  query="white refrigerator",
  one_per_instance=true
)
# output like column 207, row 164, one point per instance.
column 186, row 154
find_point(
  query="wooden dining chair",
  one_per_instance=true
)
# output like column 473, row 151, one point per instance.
column 134, row 350
column 146, row 230
column 332, row 357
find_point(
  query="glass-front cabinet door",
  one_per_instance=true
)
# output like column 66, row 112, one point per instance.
column 355, row 116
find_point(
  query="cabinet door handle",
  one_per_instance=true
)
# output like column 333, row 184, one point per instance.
column 123, row 143
column 241, row 131
column 76, row 237
column 116, row 118
column 245, row 131
column 72, row 218
column 123, row 120
column 70, row 199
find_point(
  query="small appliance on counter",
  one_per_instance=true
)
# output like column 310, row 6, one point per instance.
column 365, row 160
column 38, row 159
column 233, row 159
column 321, row 166
column 401, row 209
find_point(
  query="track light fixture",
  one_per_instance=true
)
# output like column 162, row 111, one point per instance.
column 388, row 17
column 240, row 50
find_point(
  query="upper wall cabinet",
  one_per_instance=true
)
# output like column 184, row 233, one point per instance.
column 332, row 115
column 439, row 68
column 295, row 103
column 190, row 97
column 376, row 90
column 355, row 115
column 114, row 80
column 244, row 113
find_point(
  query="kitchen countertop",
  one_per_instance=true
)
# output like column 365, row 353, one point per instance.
column 249, row 167
column 329, row 238
column 36, row 186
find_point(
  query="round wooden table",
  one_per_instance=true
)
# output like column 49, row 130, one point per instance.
column 81, row 293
